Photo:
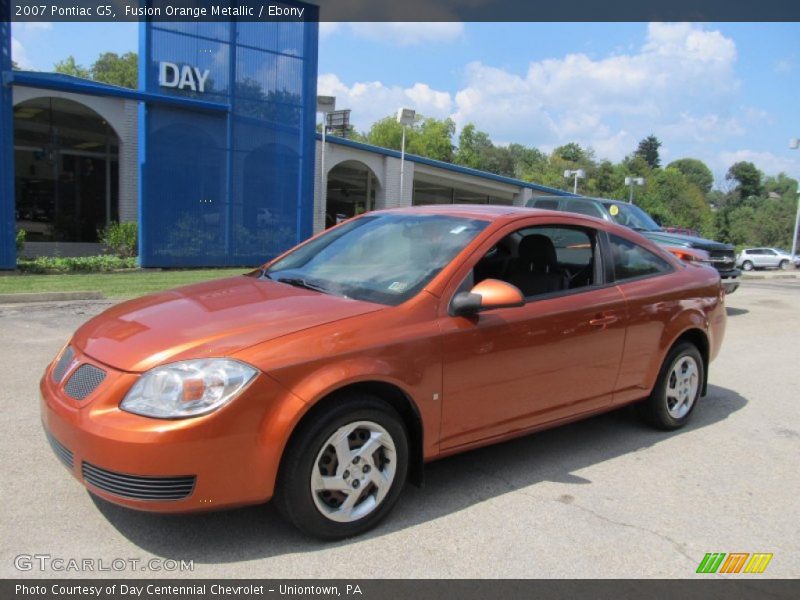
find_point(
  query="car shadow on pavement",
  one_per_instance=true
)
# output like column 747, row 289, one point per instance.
column 451, row 484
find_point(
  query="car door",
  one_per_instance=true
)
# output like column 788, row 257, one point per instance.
column 759, row 258
column 771, row 258
column 512, row 369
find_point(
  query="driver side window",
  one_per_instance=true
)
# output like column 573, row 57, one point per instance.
column 541, row 261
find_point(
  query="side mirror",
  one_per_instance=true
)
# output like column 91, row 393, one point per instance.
column 488, row 294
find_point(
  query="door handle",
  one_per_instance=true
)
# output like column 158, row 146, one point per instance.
column 603, row 320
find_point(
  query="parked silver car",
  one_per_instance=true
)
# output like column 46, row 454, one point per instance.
column 765, row 258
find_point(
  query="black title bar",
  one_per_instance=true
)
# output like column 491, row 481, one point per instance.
column 400, row 10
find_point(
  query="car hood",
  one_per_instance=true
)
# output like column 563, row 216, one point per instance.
column 214, row 318
column 680, row 239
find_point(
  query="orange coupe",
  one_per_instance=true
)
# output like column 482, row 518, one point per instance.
column 327, row 378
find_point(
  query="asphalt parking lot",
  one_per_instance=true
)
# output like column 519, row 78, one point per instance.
column 606, row 497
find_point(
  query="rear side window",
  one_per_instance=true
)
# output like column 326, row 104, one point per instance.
column 631, row 261
column 584, row 208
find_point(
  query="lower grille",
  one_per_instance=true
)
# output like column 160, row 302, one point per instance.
column 84, row 381
column 63, row 453
column 139, row 487
column 722, row 259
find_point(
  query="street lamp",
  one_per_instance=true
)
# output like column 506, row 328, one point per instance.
column 578, row 174
column 405, row 116
column 632, row 181
column 794, row 144
column 325, row 105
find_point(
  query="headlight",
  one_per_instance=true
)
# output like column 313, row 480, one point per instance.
column 188, row 388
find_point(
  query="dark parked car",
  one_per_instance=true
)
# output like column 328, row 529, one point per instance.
column 721, row 256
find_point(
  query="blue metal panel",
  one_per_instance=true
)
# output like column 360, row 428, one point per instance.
column 8, row 252
column 235, row 188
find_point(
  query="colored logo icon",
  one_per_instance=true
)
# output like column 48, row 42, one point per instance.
column 735, row 562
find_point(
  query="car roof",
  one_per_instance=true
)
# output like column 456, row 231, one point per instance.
column 474, row 211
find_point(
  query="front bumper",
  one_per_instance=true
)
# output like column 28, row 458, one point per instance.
column 183, row 465
column 731, row 279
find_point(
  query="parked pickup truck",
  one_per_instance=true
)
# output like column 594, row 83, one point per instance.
column 720, row 256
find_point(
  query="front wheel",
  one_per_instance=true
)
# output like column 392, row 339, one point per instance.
column 679, row 385
column 784, row 264
column 747, row 265
column 343, row 472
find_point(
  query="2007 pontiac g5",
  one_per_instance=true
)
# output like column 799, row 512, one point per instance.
column 327, row 378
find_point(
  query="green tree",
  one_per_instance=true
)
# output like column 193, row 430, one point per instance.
column 68, row 66
column 433, row 138
column 117, row 70
column 14, row 66
column 571, row 152
column 472, row 146
column 782, row 185
column 648, row 150
column 426, row 137
column 747, row 178
column 695, row 171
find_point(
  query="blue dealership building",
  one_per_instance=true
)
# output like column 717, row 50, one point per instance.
column 215, row 155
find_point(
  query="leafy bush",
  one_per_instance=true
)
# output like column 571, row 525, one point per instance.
column 21, row 233
column 120, row 238
column 78, row 264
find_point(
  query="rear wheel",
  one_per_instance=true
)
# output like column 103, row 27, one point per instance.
column 679, row 385
column 344, row 471
column 747, row 265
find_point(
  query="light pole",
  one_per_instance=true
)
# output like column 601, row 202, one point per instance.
column 325, row 105
column 632, row 181
column 405, row 116
column 578, row 174
column 794, row 144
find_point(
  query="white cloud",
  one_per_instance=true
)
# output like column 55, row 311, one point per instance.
column 408, row 34
column 23, row 34
column 20, row 55
column 709, row 127
column 679, row 84
column 374, row 100
column 398, row 33
column 578, row 98
column 31, row 27
column 784, row 65
column 327, row 28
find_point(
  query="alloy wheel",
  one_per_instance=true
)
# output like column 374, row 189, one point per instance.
column 353, row 472
column 682, row 386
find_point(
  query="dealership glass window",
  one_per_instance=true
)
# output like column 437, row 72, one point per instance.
column 66, row 170
column 426, row 193
column 352, row 187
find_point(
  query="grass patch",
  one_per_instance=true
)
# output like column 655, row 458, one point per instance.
column 134, row 283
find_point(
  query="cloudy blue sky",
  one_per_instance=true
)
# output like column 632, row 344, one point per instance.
column 719, row 92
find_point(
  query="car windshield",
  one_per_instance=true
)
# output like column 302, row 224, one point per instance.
column 631, row 216
column 379, row 258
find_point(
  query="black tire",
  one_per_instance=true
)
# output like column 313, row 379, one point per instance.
column 784, row 264
column 747, row 265
column 294, row 498
column 655, row 410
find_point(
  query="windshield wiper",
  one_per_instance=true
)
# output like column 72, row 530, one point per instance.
column 302, row 283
